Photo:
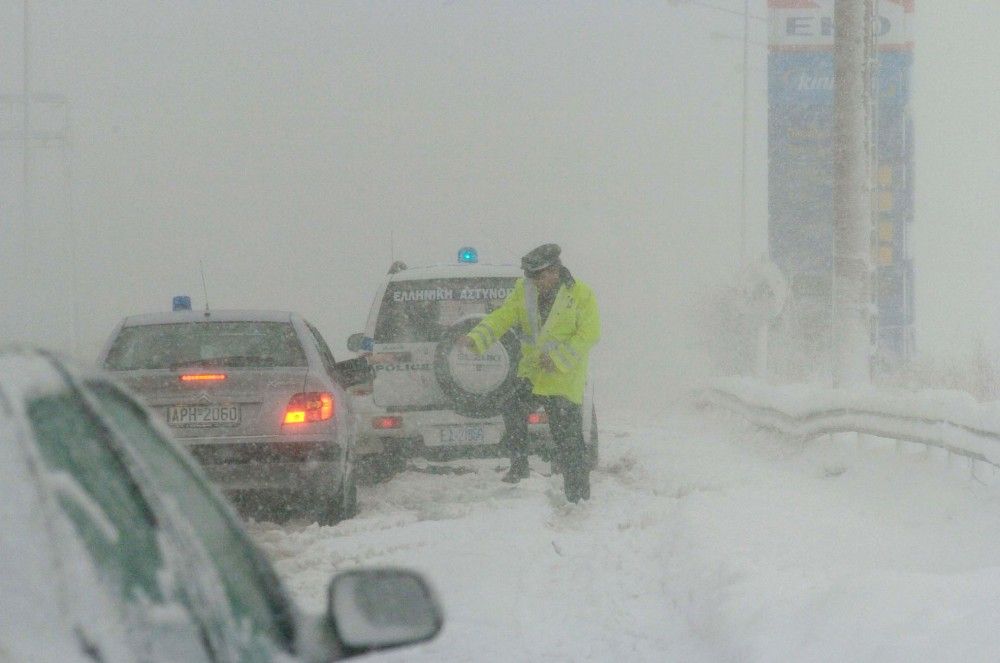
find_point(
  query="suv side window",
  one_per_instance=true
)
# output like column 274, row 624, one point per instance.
column 253, row 592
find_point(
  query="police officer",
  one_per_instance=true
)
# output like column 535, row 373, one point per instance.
column 559, row 323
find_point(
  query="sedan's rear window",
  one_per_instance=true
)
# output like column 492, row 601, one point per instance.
column 223, row 344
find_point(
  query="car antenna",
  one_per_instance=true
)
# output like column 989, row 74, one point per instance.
column 204, row 287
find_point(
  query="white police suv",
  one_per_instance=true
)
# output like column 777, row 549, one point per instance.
column 429, row 397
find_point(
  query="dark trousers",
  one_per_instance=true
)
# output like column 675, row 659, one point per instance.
column 566, row 426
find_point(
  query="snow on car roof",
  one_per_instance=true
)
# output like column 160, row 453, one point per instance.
column 455, row 271
column 235, row 315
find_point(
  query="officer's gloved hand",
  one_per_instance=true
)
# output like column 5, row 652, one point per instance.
column 547, row 364
column 465, row 343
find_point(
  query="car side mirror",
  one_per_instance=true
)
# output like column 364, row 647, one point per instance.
column 372, row 609
column 352, row 371
column 356, row 343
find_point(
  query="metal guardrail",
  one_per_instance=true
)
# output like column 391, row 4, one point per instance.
column 946, row 420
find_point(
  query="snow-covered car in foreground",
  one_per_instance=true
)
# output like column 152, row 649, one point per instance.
column 117, row 548
column 427, row 397
column 257, row 398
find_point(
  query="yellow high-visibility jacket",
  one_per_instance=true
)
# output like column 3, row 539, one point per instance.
column 571, row 329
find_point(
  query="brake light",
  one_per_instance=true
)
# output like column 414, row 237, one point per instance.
column 387, row 423
column 308, row 407
column 538, row 418
column 203, row 377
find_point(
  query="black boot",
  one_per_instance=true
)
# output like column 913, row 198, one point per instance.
column 576, row 483
column 518, row 470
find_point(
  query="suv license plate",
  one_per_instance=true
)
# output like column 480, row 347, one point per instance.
column 203, row 415
column 468, row 434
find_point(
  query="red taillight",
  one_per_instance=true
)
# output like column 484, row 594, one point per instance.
column 307, row 407
column 538, row 418
column 387, row 423
column 203, row 377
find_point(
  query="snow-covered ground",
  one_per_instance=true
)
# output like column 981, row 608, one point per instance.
column 704, row 541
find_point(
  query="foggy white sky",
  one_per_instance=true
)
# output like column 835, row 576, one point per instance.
column 282, row 143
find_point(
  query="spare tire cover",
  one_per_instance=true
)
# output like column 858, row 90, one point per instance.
column 476, row 385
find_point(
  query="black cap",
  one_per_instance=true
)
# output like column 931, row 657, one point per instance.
column 539, row 258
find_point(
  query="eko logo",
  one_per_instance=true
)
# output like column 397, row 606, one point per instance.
column 822, row 26
column 798, row 24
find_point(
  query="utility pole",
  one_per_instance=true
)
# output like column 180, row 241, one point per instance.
column 50, row 128
column 744, row 223
column 26, row 154
column 743, row 167
column 854, row 62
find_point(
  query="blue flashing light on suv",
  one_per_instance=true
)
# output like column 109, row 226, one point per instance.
column 468, row 254
column 182, row 303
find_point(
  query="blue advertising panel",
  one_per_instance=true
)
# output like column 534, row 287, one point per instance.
column 800, row 165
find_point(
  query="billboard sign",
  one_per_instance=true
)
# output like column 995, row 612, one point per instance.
column 800, row 163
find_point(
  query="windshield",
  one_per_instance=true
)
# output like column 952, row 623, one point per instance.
column 222, row 344
column 420, row 311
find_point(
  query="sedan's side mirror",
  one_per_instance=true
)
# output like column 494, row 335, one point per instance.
column 356, row 343
column 373, row 609
column 352, row 371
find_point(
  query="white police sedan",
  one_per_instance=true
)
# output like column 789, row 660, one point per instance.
column 256, row 396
